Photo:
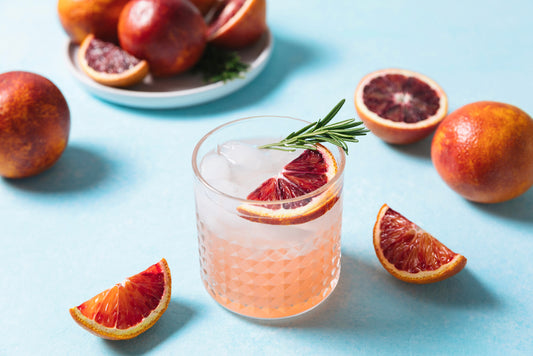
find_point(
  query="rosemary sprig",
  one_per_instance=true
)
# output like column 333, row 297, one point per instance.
column 338, row 133
column 220, row 65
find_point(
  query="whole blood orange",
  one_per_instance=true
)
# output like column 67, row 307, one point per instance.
column 169, row 34
column 410, row 253
column 484, row 151
column 109, row 64
column 129, row 308
column 34, row 124
column 82, row 17
column 400, row 106
column 305, row 174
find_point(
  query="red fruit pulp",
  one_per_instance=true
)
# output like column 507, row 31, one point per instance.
column 410, row 248
column 114, row 307
column 401, row 99
column 107, row 58
column 303, row 175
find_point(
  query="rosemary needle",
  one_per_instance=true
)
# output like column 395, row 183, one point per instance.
column 220, row 65
column 338, row 133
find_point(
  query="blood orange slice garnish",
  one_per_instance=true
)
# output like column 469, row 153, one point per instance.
column 410, row 253
column 128, row 308
column 400, row 106
column 108, row 64
column 305, row 174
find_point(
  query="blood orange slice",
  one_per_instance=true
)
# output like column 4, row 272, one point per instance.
column 109, row 64
column 410, row 253
column 305, row 174
column 129, row 308
column 235, row 24
column 400, row 106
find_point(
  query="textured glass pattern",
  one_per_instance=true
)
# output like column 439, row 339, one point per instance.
column 270, row 282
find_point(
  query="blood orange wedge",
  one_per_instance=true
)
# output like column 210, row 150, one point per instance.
column 109, row 64
column 411, row 254
column 235, row 24
column 129, row 308
column 400, row 106
column 305, row 174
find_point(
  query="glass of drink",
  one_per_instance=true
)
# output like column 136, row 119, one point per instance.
column 267, row 258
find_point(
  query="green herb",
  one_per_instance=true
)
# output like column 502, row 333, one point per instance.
column 338, row 133
column 220, row 65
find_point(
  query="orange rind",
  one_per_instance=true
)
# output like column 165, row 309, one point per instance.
column 290, row 195
column 411, row 254
column 119, row 77
column 400, row 106
column 128, row 308
column 237, row 23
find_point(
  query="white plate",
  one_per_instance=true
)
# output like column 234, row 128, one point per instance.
column 178, row 91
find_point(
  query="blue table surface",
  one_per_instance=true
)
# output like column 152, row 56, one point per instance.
column 120, row 197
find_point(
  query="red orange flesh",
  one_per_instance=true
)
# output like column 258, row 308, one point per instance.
column 400, row 106
column 128, row 308
column 410, row 253
column 110, row 65
column 305, row 174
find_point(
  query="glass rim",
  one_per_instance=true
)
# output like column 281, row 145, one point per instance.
column 198, row 175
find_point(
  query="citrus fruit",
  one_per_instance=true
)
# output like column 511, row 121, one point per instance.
column 235, row 24
column 400, row 106
column 305, row 174
column 411, row 254
column 34, row 124
column 204, row 5
column 170, row 35
column 82, row 17
column 109, row 64
column 484, row 151
column 128, row 308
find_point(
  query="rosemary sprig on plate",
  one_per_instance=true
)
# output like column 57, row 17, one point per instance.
column 338, row 133
column 220, row 65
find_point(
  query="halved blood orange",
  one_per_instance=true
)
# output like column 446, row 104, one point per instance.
column 305, row 174
column 235, row 24
column 410, row 253
column 129, row 308
column 108, row 64
column 400, row 106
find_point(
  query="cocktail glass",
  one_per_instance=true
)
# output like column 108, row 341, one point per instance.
column 260, row 266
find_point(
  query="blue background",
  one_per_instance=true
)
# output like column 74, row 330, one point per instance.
column 120, row 198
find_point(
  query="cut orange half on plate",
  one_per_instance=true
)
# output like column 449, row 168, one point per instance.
column 305, row 174
column 400, row 106
column 129, row 308
column 235, row 24
column 109, row 64
column 410, row 253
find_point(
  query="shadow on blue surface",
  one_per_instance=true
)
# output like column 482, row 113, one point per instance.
column 288, row 56
column 175, row 317
column 363, row 286
column 519, row 208
column 420, row 149
column 78, row 169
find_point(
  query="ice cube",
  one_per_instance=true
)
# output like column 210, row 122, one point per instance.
column 214, row 168
column 243, row 166
column 242, row 155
